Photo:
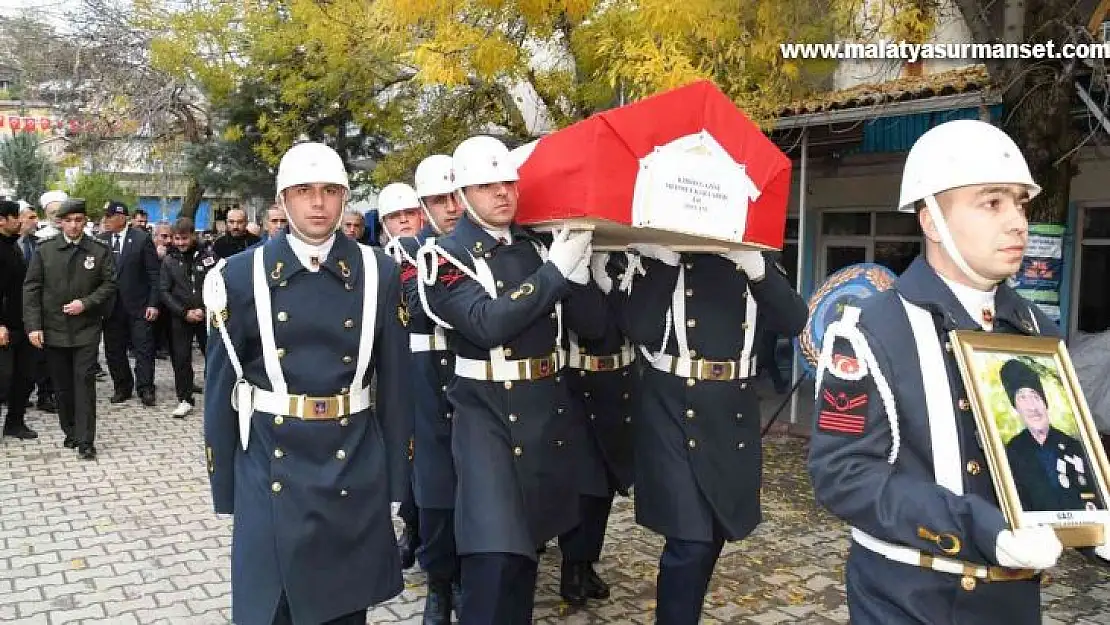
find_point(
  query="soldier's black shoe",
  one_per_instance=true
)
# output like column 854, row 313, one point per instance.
column 22, row 433
column 147, row 398
column 119, row 397
column 437, row 606
column 595, row 587
column 572, row 584
column 70, row 442
column 87, row 452
column 406, row 546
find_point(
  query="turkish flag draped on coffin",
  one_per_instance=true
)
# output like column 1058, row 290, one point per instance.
column 684, row 167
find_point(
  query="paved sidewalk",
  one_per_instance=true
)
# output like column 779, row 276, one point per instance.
column 130, row 538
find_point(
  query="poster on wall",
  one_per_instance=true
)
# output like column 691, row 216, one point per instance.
column 1042, row 269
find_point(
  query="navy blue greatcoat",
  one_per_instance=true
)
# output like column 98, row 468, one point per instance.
column 511, row 443
column 433, row 467
column 901, row 503
column 311, row 498
column 698, row 452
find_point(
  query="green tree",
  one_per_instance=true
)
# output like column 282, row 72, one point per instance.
column 1039, row 94
column 24, row 166
column 97, row 189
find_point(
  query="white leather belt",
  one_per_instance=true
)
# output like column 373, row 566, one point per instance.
column 427, row 342
column 609, row 362
column 311, row 408
column 702, row 369
column 913, row 557
column 509, row 370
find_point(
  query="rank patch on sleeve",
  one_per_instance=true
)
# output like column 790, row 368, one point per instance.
column 408, row 272
column 842, row 413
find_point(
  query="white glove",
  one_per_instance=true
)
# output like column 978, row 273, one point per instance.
column 662, row 254
column 597, row 270
column 394, row 508
column 567, row 250
column 581, row 273
column 1028, row 548
column 751, row 262
column 1103, row 551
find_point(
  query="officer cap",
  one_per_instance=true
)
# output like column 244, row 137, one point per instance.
column 115, row 208
column 1017, row 375
column 9, row 208
column 72, row 206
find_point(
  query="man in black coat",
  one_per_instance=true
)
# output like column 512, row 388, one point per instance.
column 237, row 238
column 181, row 287
column 1049, row 467
column 136, row 308
column 69, row 287
column 13, row 339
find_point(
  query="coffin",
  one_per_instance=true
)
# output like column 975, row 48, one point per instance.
column 684, row 168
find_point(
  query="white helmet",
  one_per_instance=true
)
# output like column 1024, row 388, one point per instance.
column 959, row 153
column 483, row 160
column 52, row 196
column 395, row 197
column 434, row 176
column 311, row 163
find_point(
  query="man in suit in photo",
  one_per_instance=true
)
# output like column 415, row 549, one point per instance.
column 136, row 306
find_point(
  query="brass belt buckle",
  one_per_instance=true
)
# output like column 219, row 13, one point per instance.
column 605, row 363
column 540, row 367
column 717, row 370
column 320, row 407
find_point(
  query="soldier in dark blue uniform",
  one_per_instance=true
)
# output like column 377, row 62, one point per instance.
column 895, row 450
column 698, row 453
column 601, row 385
column 400, row 216
column 433, row 467
column 504, row 306
column 295, row 449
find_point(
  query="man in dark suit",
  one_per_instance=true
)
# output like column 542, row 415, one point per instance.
column 1049, row 467
column 237, row 238
column 136, row 306
column 13, row 338
column 27, row 244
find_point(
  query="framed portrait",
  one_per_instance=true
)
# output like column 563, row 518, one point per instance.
column 1042, row 446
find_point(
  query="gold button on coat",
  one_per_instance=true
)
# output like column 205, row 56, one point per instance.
column 344, row 422
column 278, row 420
column 343, row 493
column 276, row 487
column 690, row 382
column 964, row 404
column 692, row 443
column 339, row 455
column 347, row 360
column 512, row 418
column 690, row 413
column 691, row 323
column 349, row 323
column 517, row 451
column 508, row 385
column 281, row 352
column 283, row 316
column 278, row 453
column 973, row 467
column 968, row 583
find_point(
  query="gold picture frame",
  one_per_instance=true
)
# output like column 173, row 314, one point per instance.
column 1046, row 458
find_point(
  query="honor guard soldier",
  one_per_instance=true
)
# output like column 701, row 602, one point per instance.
column 296, row 451
column 70, row 287
column 895, row 451
column 697, row 446
column 400, row 216
column 433, row 467
column 601, row 385
column 488, row 282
